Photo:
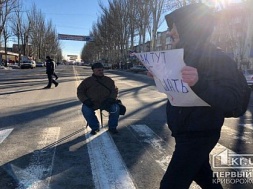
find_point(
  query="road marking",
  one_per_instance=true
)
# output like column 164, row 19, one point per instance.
column 38, row 173
column 78, row 80
column 157, row 143
column 108, row 168
column 4, row 134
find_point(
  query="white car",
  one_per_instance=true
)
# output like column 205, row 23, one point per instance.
column 40, row 64
column 28, row 64
column 138, row 68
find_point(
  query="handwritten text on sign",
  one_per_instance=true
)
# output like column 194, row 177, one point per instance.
column 166, row 68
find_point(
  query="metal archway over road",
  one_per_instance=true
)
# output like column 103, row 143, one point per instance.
column 75, row 37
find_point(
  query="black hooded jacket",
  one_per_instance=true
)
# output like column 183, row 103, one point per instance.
column 50, row 66
column 216, row 84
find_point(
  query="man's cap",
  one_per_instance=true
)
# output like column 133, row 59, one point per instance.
column 47, row 57
column 97, row 65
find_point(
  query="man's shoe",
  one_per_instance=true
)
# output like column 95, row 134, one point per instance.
column 94, row 131
column 46, row 87
column 56, row 84
column 113, row 131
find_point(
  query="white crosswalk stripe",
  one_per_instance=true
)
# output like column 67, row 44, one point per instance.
column 108, row 168
column 38, row 173
column 4, row 134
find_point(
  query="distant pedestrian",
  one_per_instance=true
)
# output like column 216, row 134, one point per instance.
column 210, row 74
column 50, row 70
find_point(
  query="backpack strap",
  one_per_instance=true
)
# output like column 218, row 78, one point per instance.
column 103, row 85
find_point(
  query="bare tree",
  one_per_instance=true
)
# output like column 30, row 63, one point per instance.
column 249, row 32
column 123, row 21
column 17, row 22
column 133, row 14
column 6, row 34
column 156, row 8
column 6, row 8
column 114, row 30
column 143, row 21
column 42, row 35
column 231, row 29
column 37, row 31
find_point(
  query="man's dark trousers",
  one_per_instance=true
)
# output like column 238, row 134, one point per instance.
column 190, row 161
column 50, row 80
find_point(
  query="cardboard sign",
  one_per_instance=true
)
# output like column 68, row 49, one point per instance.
column 166, row 68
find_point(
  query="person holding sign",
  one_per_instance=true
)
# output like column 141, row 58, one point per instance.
column 210, row 74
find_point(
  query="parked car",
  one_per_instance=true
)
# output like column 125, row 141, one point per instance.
column 138, row 68
column 40, row 64
column 107, row 66
column 248, row 74
column 28, row 64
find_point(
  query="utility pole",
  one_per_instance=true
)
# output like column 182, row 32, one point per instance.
column 19, row 53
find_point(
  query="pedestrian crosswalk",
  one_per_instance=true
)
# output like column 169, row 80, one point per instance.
column 109, row 170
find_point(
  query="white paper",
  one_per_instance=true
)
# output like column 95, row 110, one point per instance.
column 166, row 68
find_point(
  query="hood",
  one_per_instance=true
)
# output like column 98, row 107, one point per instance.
column 194, row 22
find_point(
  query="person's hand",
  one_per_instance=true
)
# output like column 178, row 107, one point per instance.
column 106, row 104
column 190, row 75
column 88, row 103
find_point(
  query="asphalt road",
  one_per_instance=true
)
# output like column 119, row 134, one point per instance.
column 44, row 142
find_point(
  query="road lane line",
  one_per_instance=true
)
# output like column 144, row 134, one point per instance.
column 4, row 134
column 38, row 173
column 108, row 168
column 157, row 143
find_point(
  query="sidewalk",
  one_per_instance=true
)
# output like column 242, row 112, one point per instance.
column 10, row 67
